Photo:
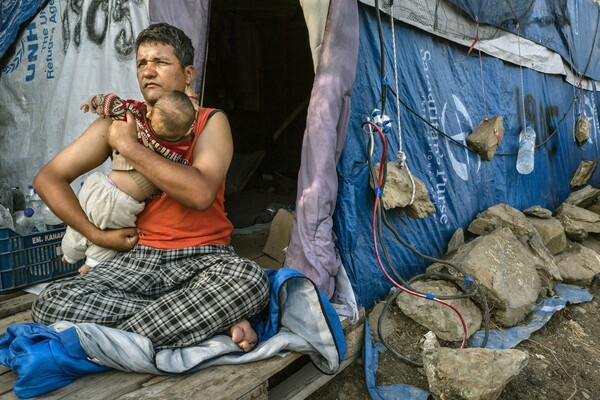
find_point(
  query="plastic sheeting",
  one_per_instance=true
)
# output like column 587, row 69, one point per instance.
column 510, row 337
column 69, row 51
column 569, row 28
column 12, row 14
column 311, row 249
column 192, row 18
column 440, row 18
column 499, row 340
column 443, row 85
column 46, row 358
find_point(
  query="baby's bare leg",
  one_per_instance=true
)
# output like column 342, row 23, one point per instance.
column 84, row 269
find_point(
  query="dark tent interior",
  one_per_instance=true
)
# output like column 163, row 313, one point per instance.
column 260, row 72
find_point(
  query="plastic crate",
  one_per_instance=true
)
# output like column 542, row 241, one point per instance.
column 33, row 258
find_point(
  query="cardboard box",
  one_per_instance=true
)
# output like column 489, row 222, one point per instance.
column 279, row 235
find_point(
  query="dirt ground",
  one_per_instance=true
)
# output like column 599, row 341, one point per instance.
column 564, row 359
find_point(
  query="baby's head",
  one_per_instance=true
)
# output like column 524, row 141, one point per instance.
column 172, row 116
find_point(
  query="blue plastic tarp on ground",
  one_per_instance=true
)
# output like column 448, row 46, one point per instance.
column 498, row 339
column 510, row 337
column 443, row 85
column 46, row 358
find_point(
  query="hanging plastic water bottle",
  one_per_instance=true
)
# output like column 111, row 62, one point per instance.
column 526, row 154
column 23, row 221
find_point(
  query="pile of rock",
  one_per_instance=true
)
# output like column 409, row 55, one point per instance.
column 516, row 258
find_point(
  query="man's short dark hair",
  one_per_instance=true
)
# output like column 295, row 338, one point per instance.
column 168, row 34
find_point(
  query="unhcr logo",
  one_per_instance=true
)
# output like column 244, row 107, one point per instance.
column 15, row 59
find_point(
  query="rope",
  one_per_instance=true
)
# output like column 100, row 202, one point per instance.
column 521, row 73
column 401, row 155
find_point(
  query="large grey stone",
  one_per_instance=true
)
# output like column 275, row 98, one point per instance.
column 552, row 233
column 505, row 270
column 471, row 374
column 486, row 136
column 578, row 222
column 398, row 192
column 537, row 211
column 457, row 240
column 592, row 242
column 503, row 215
column 583, row 197
column 387, row 324
column 578, row 264
column 584, row 173
column 595, row 208
column 440, row 319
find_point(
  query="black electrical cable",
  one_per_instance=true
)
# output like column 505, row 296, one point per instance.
column 464, row 146
column 386, row 87
column 385, row 342
column 384, row 312
column 381, row 216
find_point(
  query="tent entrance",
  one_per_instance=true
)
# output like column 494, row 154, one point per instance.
column 260, row 72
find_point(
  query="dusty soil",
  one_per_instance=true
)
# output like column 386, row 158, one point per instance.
column 564, row 359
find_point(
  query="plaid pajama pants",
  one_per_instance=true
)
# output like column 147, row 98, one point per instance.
column 176, row 297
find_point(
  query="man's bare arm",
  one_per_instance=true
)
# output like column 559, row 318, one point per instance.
column 53, row 181
column 196, row 186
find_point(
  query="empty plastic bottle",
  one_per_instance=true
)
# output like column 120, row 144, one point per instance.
column 35, row 202
column 6, row 219
column 34, row 199
column 29, row 193
column 50, row 219
column 526, row 154
column 38, row 222
column 23, row 221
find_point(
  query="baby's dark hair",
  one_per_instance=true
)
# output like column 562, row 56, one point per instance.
column 177, row 113
column 168, row 34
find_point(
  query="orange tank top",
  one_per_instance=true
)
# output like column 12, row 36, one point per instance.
column 167, row 224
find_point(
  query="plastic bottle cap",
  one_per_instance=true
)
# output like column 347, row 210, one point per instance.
column 28, row 212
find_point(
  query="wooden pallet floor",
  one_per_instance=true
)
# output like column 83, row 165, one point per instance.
column 290, row 377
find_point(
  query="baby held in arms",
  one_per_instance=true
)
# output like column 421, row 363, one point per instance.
column 113, row 201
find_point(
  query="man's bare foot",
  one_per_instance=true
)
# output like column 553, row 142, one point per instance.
column 84, row 269
column 243, row 335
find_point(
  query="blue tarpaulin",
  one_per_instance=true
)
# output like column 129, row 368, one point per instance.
column 442, row 85
column 12, row 14
column 569, row 28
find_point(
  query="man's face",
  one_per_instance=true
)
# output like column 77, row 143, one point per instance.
column 159, row 71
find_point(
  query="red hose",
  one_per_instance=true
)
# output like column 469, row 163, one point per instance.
column 374, row 232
